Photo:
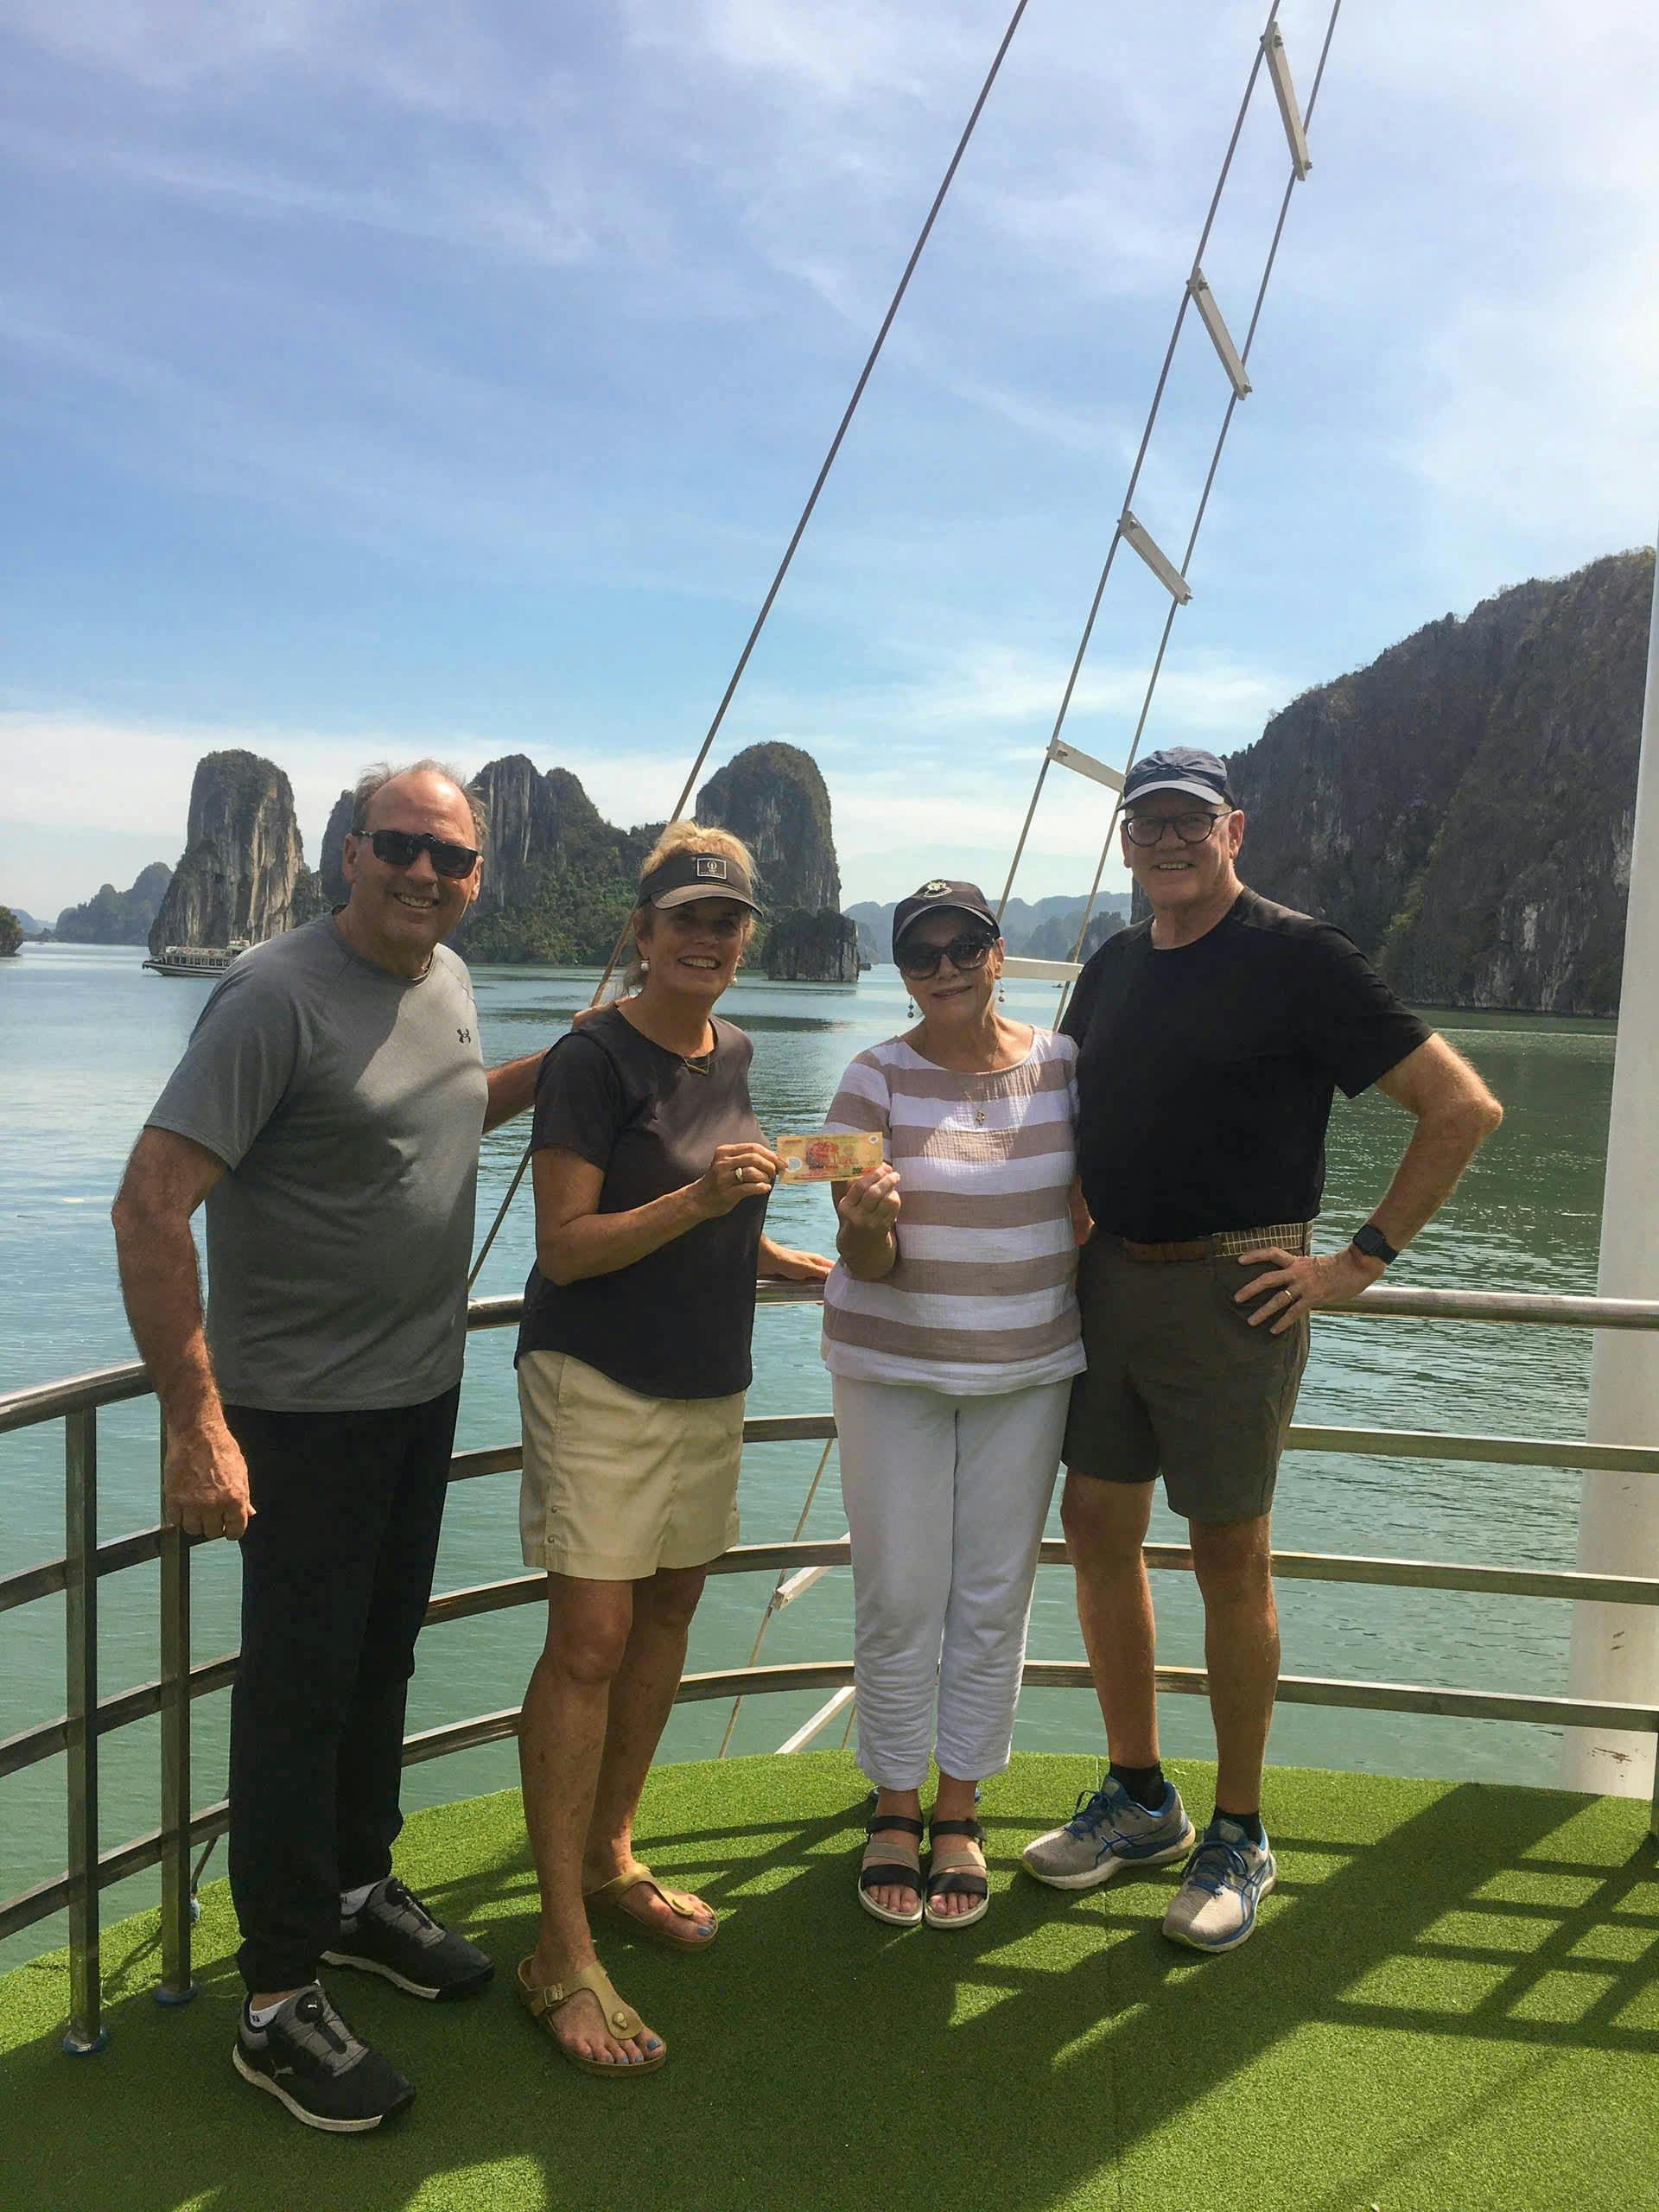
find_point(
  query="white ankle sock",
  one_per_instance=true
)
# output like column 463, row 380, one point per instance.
column 266, row 2014
column 352, row 1902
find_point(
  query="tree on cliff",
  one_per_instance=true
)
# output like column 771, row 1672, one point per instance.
column 558, row 878
column 11, row 933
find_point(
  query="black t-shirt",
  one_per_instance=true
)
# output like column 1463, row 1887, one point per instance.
column 1205, row 1071
column 677, row 1322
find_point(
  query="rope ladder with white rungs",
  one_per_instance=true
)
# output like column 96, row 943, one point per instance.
column 1129, row 529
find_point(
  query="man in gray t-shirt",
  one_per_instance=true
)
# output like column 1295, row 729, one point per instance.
column 327, row 1111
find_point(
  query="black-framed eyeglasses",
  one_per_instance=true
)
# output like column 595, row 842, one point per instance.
column 965, row 953
column 402, row 847
column 1148, row 830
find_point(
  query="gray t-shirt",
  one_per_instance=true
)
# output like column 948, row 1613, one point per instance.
column 348, row 1104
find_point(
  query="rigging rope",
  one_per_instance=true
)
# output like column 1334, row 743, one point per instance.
column 796, row 535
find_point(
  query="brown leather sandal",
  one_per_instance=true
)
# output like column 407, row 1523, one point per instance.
column 607, row 1898
column 620, row 2019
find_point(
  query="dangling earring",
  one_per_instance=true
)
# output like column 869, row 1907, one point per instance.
column 910, row 1008
column 1001, row 995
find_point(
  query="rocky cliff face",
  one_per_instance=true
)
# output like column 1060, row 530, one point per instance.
column 243, row 861
column 773, row 797
column 114, row 916
column 1464, row 807
column 803, row 947
column 332, row 886
column 558, row 878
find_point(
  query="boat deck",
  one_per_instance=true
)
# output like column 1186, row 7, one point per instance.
column 1452, row 2003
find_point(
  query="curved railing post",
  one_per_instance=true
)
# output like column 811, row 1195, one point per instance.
column 86, row 2032
column 177, row 1906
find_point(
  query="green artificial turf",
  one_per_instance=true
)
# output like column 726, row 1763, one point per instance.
column 1450, row 2003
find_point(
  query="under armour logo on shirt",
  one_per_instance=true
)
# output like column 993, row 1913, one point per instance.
column 464, row 1036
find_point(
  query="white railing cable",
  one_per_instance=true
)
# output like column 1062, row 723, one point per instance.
column 796, row 535
column 779, row 1599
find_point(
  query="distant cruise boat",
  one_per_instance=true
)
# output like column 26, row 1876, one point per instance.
column 197, row 959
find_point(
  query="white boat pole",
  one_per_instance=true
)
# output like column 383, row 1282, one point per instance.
column 1615, row 1647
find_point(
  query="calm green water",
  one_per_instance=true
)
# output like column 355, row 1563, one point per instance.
column 86, row 1039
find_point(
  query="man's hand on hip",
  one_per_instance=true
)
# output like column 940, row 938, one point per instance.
column 204, row 1482
column 1291, row 1286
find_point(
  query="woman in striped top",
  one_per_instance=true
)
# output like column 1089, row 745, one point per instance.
column 950, row 1330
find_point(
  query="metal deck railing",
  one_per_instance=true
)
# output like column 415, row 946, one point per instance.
column 88, row 1717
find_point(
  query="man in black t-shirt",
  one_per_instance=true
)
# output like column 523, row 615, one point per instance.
column 1211, row 1040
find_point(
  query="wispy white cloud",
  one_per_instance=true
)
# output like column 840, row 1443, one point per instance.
column 554, row 301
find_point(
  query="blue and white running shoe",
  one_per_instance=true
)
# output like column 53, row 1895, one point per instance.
column 1226, row 1879
column 1108, row 1832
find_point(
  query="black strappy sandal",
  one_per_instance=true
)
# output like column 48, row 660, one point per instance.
column 892, row 1873
column 960, row 1876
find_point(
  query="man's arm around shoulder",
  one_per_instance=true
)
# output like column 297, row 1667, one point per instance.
column 204, row 1477
column 512, row 1089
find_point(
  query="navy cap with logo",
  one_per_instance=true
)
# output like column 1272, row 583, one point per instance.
column 688, row 875
column 938, row 893
column 1179, row 768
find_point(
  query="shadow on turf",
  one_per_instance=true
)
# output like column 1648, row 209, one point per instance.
column 820, row 2058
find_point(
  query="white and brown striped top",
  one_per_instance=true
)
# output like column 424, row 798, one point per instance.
column 981, row 1298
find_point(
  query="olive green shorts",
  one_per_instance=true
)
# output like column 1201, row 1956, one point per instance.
column 1178, row 1382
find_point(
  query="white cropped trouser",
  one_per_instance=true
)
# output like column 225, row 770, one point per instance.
column 946, row 1498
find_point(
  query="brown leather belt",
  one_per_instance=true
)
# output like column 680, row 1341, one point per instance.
column 1286, row 1235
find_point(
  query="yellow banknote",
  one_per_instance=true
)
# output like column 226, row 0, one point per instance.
column 828, row 1159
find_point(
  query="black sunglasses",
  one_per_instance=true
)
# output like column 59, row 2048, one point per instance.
column 401, row 848
column 1148, row 830
column 967, row 952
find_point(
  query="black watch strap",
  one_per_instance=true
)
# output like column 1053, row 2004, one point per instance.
column 1373, row 1243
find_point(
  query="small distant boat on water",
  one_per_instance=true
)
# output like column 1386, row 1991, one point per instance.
column 197, row 959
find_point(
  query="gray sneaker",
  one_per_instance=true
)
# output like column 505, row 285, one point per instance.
column 1227, row 1876
column 1109, row 1832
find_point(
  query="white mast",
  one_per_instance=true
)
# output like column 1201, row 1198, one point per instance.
column 1615, row 1647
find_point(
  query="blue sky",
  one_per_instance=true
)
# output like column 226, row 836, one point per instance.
column 377, row 379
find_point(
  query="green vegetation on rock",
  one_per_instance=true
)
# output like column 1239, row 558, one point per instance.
column 11, row 933
column 1465, row 806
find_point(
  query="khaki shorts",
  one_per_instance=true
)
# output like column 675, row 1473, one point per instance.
column 616, row 1486
column 1178, row 1381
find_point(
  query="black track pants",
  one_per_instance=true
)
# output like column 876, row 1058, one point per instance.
column 336, row 1571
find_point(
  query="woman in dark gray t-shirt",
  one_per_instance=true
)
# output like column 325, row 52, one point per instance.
column 651, row 1177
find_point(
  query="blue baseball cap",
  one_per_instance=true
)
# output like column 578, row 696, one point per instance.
column 1179, row 768
column 938, row 891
